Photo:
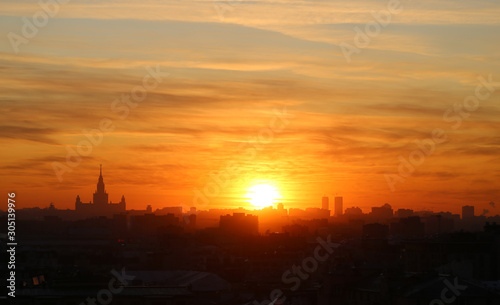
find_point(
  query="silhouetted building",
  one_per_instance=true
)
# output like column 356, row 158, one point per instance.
column 239, row 224
column 354, row 211
column 408, row 227
column 192, row 221
column 492, row 228
column 467, row 212
column 313, row 225
column 382, row 213
column 100, row 206
column 339, row 206
column 325, row 204
column 295, row 230
column 281, row 210
column 151, row 223
column 404, row 213
column 177, row 211
column 375, row 231
column 309, row 213
column 438, row 224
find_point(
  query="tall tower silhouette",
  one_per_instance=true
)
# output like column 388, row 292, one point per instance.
column 325, row 203
column 100, row 195
column 339, row 205
column 101, row 206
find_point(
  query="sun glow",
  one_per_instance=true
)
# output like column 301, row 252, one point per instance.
column 262, row 195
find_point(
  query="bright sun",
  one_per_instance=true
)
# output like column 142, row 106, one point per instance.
column 262, row 195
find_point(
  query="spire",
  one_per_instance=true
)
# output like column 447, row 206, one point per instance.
column 100, row 182
column 100, row 195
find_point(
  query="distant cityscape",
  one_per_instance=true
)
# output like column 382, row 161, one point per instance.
column 318, row 255
column 269, row 219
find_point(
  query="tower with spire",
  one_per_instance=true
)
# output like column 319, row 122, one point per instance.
column 100, row 195
column 100, row 206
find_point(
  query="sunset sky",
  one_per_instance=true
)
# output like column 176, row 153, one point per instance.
column 227, row 69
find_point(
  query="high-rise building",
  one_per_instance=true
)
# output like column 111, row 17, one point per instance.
column 339, row 206
column 325, row 203
column 100, row 206
column 467, row 211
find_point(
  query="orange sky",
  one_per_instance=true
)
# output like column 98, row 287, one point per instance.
column 225, row 76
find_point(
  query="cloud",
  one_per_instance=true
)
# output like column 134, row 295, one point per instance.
column 28, row 133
